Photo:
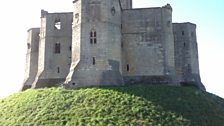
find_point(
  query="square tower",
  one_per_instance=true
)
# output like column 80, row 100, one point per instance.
column 54, row 49
column 96, row 44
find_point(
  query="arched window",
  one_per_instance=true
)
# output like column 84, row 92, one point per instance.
column 93, row 37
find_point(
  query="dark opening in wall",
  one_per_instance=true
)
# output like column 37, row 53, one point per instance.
column 93, row 39
column 58, row 70
column 127, row 67
column 94, row 60
column 70, row 48
column 183, row 33
column 57, row 24
column 57, row 48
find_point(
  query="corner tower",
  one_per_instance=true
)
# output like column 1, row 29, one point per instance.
column 31, row 57
column 186, row 54
column 96, row 44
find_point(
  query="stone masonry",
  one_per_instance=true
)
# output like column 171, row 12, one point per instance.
column 107, row 42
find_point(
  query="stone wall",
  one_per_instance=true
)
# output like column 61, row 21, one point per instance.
column 106, row 42
column 55, row 48
column 186, row 53
column 98, row 43
column 31, row 57
column 147, row 44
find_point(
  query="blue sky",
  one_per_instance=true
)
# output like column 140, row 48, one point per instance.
column 18, row 16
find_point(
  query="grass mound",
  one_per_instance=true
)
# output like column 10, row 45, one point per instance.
column 136, row 105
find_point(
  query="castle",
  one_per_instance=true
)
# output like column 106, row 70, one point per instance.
column 107, row 42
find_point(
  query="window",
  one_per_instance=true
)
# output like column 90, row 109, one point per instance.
column 94, row 60
column 70, row 48
column 58, row 70
column 93, row 39
column 57, row 48
column 127, row 67
column 168, row 23
column 182, row 32
column 113, row 11
column 57, row 24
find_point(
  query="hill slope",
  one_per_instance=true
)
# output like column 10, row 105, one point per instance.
column 135, row 105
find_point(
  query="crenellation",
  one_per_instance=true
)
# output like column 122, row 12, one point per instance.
column 107, row 42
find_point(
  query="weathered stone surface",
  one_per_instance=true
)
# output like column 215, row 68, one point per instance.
column 31, row 57
column 107, row 42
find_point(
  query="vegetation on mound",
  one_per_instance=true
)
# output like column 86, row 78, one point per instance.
column 136, row 105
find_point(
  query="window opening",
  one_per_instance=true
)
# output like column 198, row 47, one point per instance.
column 94, row 60
column 57, row 24
column 57, row 48
column 182, row 32
column 113, row 11
column 58, row 69
column 93, row 35
column 70, row 48
column 127, row 67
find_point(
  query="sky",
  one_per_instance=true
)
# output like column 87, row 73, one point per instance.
column 18, row 16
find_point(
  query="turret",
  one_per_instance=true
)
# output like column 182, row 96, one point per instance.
column 186, row 54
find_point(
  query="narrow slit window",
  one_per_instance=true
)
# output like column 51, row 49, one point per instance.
column 183, row 33
column 57, row 24
column 94, row 60
column 93, row 36
column 94, row 40
column 57, row 48
column 58, row 70
column 70, row 48
column 127, row 67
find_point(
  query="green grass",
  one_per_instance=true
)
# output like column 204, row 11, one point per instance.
column 137, row 105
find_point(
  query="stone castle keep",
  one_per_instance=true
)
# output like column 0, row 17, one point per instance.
column 107, row 42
